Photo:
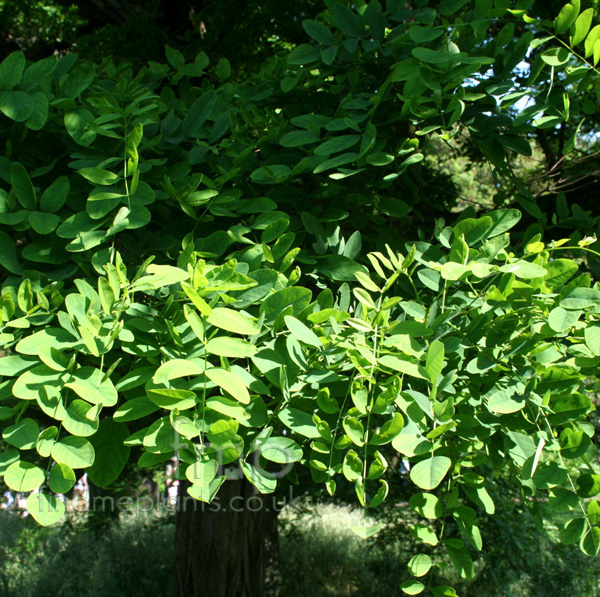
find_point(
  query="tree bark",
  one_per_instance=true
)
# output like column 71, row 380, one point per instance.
column 220, row 547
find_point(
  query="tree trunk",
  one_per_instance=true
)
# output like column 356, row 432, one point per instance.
column 220, row 547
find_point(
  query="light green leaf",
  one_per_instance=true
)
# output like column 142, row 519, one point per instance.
column 233, row 321
column 76, row 421
column 524, row 269
column 299, row 422
column 434, row 363
column 365, row 532
column 22, row 435
column 355, row 430
column 76, row 452
column 302, row 332
column 503, row 402
column 262, row 480
column 99, row 176
column 89, row 383
column 580, row 298
column 62, row 478
column 420, row 565
column 45, row 509
column 560, row 319
column 582, row 26
column 226, row 346
column 177, row 368
column 426, row 505
column 23, row 476
column 230, row 383
column 429, row 473
column 566, row 17
column 202, row 472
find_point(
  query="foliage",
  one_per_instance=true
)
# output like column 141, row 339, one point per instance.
column 231, row 270
column 33, row 562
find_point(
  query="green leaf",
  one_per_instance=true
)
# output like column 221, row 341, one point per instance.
column 460, row 557
column 412, row 587
column 348, row 21
column 560, row 271
column 502, row 221
column 76, row 421
column 54, row 197
column 590, row 542
column 17, row 105
column 202, row 472
column 524, row 269
column 592, row 338
column 556, row 57
column 566, row 17
column 76, row 452
column 21, row 183
column 175, row 57
column 62, row 478
column 229, row 382
column 42, row 222
column 233, row 321
column 39, row 112
column 9, row 259
column 423, row 533
column 282, row 450
column 177, row 368
column 226, row 346
column 296, row 298
column 435, row 361
column 22, row 435
column 23, row 476
column 199, row 113
column 303, row 54
column 365, row 532
column 223, row 69
column 426, row 505
column 206, row 493
column 503, row 402
column 301, row 332
column 318, row 32
column 262, row 480
column 89, row 383
column 298, row 138
column 11, row 70
column 76, row 123
column 45, row 509
column 337, row 144
column 325, row 402
column 582, row 26
column 422, row 35
column 573, row 531
column 14, row 365
column 171, row 399
column 591, row 40
column 7, row 458
column 99, row 176
column 420, row 565
column 299, row 422
column 402, row 365
column 355, row 430
column 580, row 298
column 429, row 473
